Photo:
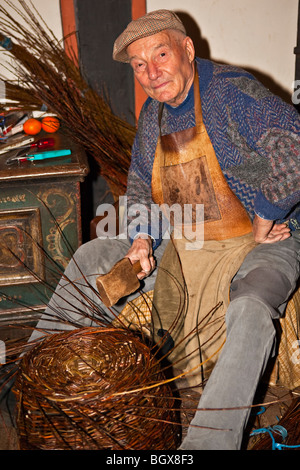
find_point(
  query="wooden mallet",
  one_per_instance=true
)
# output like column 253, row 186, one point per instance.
column 119, row 282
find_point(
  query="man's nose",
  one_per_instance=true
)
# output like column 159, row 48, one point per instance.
column 153, row 71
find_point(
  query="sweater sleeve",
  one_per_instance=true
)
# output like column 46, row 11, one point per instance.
column 280, row 189
column 267, row 134
column 141, row 213
column 138, row 197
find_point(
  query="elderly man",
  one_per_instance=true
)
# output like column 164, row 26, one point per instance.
column 210, row 135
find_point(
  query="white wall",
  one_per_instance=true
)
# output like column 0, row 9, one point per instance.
column 50, row 12
column 255, row 34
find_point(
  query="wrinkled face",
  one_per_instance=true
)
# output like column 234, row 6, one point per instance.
column 163, row 65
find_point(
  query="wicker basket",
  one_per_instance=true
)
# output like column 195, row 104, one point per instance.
column 94, row 388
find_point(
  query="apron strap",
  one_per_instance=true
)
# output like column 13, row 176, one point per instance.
column 197, row 100
column 160, row 113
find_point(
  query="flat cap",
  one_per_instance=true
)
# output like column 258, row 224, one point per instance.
column 147, row 25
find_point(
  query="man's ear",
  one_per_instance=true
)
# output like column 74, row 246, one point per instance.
column 189, row 47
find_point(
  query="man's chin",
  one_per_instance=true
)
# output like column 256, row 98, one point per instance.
column 165, row 98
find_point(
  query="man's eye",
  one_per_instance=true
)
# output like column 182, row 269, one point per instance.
column 139, row 66
column 163, row 55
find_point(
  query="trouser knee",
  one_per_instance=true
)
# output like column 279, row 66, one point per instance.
column 271, row 287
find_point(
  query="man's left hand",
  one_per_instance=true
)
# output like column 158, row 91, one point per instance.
column 266, row 231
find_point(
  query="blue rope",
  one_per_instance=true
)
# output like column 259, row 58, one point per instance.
column 261, row 411
column 278, row 430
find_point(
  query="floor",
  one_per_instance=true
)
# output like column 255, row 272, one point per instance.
column 8, row 433
column 276, row 399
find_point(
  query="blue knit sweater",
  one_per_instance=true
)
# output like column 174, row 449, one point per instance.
column 255, row 136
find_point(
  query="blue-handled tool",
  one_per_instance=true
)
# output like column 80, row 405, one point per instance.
column 49, row 154
column 38, row 156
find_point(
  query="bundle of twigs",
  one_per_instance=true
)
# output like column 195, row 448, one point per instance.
column 94, row 388
column 47, row 76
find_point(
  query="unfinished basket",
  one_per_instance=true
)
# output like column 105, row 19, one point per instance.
column 94, row 388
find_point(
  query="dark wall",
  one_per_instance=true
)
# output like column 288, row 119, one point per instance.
column 99, row 23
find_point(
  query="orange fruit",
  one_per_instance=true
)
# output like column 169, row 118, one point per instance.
column 50, row 124
column 32, row 126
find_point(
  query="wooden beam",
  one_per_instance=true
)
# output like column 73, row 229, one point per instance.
column 138, row 8
column 69, row 28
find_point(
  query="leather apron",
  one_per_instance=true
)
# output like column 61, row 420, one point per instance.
column 186, row 171
column 192, row 282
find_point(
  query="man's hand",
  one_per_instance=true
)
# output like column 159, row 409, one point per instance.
column 265, row 231
column 141, row 250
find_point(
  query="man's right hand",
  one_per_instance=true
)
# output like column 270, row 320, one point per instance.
column 265, row 231
column 141, row 250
